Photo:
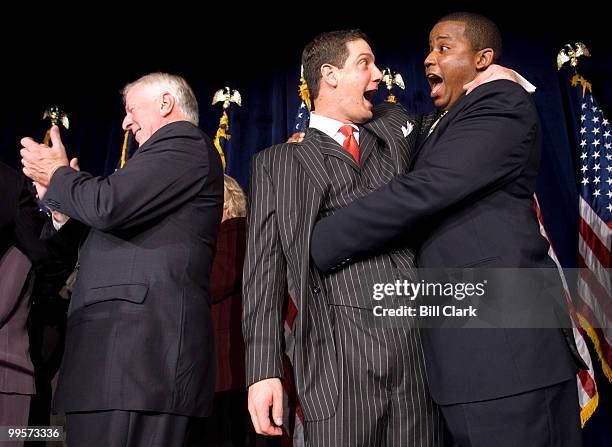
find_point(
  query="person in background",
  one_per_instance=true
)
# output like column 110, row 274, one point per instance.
column 32, row 271
column 21, row 222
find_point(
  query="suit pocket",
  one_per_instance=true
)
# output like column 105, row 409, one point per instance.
column 134, row 293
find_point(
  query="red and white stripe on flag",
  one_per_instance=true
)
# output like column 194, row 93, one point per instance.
column 588, row 397
column 594, row 304
column 594, row 146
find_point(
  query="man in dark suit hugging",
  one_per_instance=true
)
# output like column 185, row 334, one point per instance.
column 469, row 201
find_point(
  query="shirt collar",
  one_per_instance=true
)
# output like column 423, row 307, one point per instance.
column 328, row 126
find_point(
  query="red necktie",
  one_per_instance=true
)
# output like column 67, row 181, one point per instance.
column 350, row 143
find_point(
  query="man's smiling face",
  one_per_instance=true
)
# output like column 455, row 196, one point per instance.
column 142, row 112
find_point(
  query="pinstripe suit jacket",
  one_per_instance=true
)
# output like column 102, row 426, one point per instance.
column 288, row 184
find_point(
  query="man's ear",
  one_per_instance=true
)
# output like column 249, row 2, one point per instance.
column 484, row 58
column 329, row 75
column 166, row 104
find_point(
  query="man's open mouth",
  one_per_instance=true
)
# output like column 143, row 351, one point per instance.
column 369, row 95
column 435, row 83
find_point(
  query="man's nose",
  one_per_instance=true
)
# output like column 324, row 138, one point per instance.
column 127, row 121
column 376, row 74
column 429, row 60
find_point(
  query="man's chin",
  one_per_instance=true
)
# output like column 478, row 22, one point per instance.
column 440, row 103
column 367, row 116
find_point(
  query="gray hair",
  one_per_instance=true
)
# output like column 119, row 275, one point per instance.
column 177, row 87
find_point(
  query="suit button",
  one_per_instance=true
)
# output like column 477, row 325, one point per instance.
column 316, row 290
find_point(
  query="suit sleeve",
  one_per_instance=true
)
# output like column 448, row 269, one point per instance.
column 150, row 186
column 264, row 281
column 485, row 147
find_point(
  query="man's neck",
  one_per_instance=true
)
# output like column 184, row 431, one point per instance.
column 326, row 108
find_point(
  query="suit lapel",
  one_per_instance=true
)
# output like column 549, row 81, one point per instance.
column 429, row 119
column 390, row 128
column 309, row 153
column 423, row 134
column 331, row 147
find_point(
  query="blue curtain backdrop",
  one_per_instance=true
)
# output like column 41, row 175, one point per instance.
column 262, row 61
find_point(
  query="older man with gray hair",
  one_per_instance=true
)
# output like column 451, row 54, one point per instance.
column 138, row 362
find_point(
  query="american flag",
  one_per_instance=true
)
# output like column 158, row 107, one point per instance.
column 303, row 114
column 301, row 118
column 588, row 397
column 594, row 300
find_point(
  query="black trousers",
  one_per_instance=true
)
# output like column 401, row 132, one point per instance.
column 546, row 417
column 116, row 428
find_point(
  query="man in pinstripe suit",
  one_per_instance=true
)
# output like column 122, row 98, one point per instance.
column 358, row 385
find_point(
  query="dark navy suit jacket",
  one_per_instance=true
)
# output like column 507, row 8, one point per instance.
column 139, row 333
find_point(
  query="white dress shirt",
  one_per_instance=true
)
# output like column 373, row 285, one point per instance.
column 331, row 127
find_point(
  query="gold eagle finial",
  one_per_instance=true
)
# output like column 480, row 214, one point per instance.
column 391, row 78
column 56, row 116
column 228, row 96
column 571, row 53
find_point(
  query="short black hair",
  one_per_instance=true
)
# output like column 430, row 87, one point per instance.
column 480, row 31
column 327, row 48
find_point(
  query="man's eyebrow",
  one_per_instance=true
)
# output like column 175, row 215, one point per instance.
column 365, row 54
column 436, row 39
